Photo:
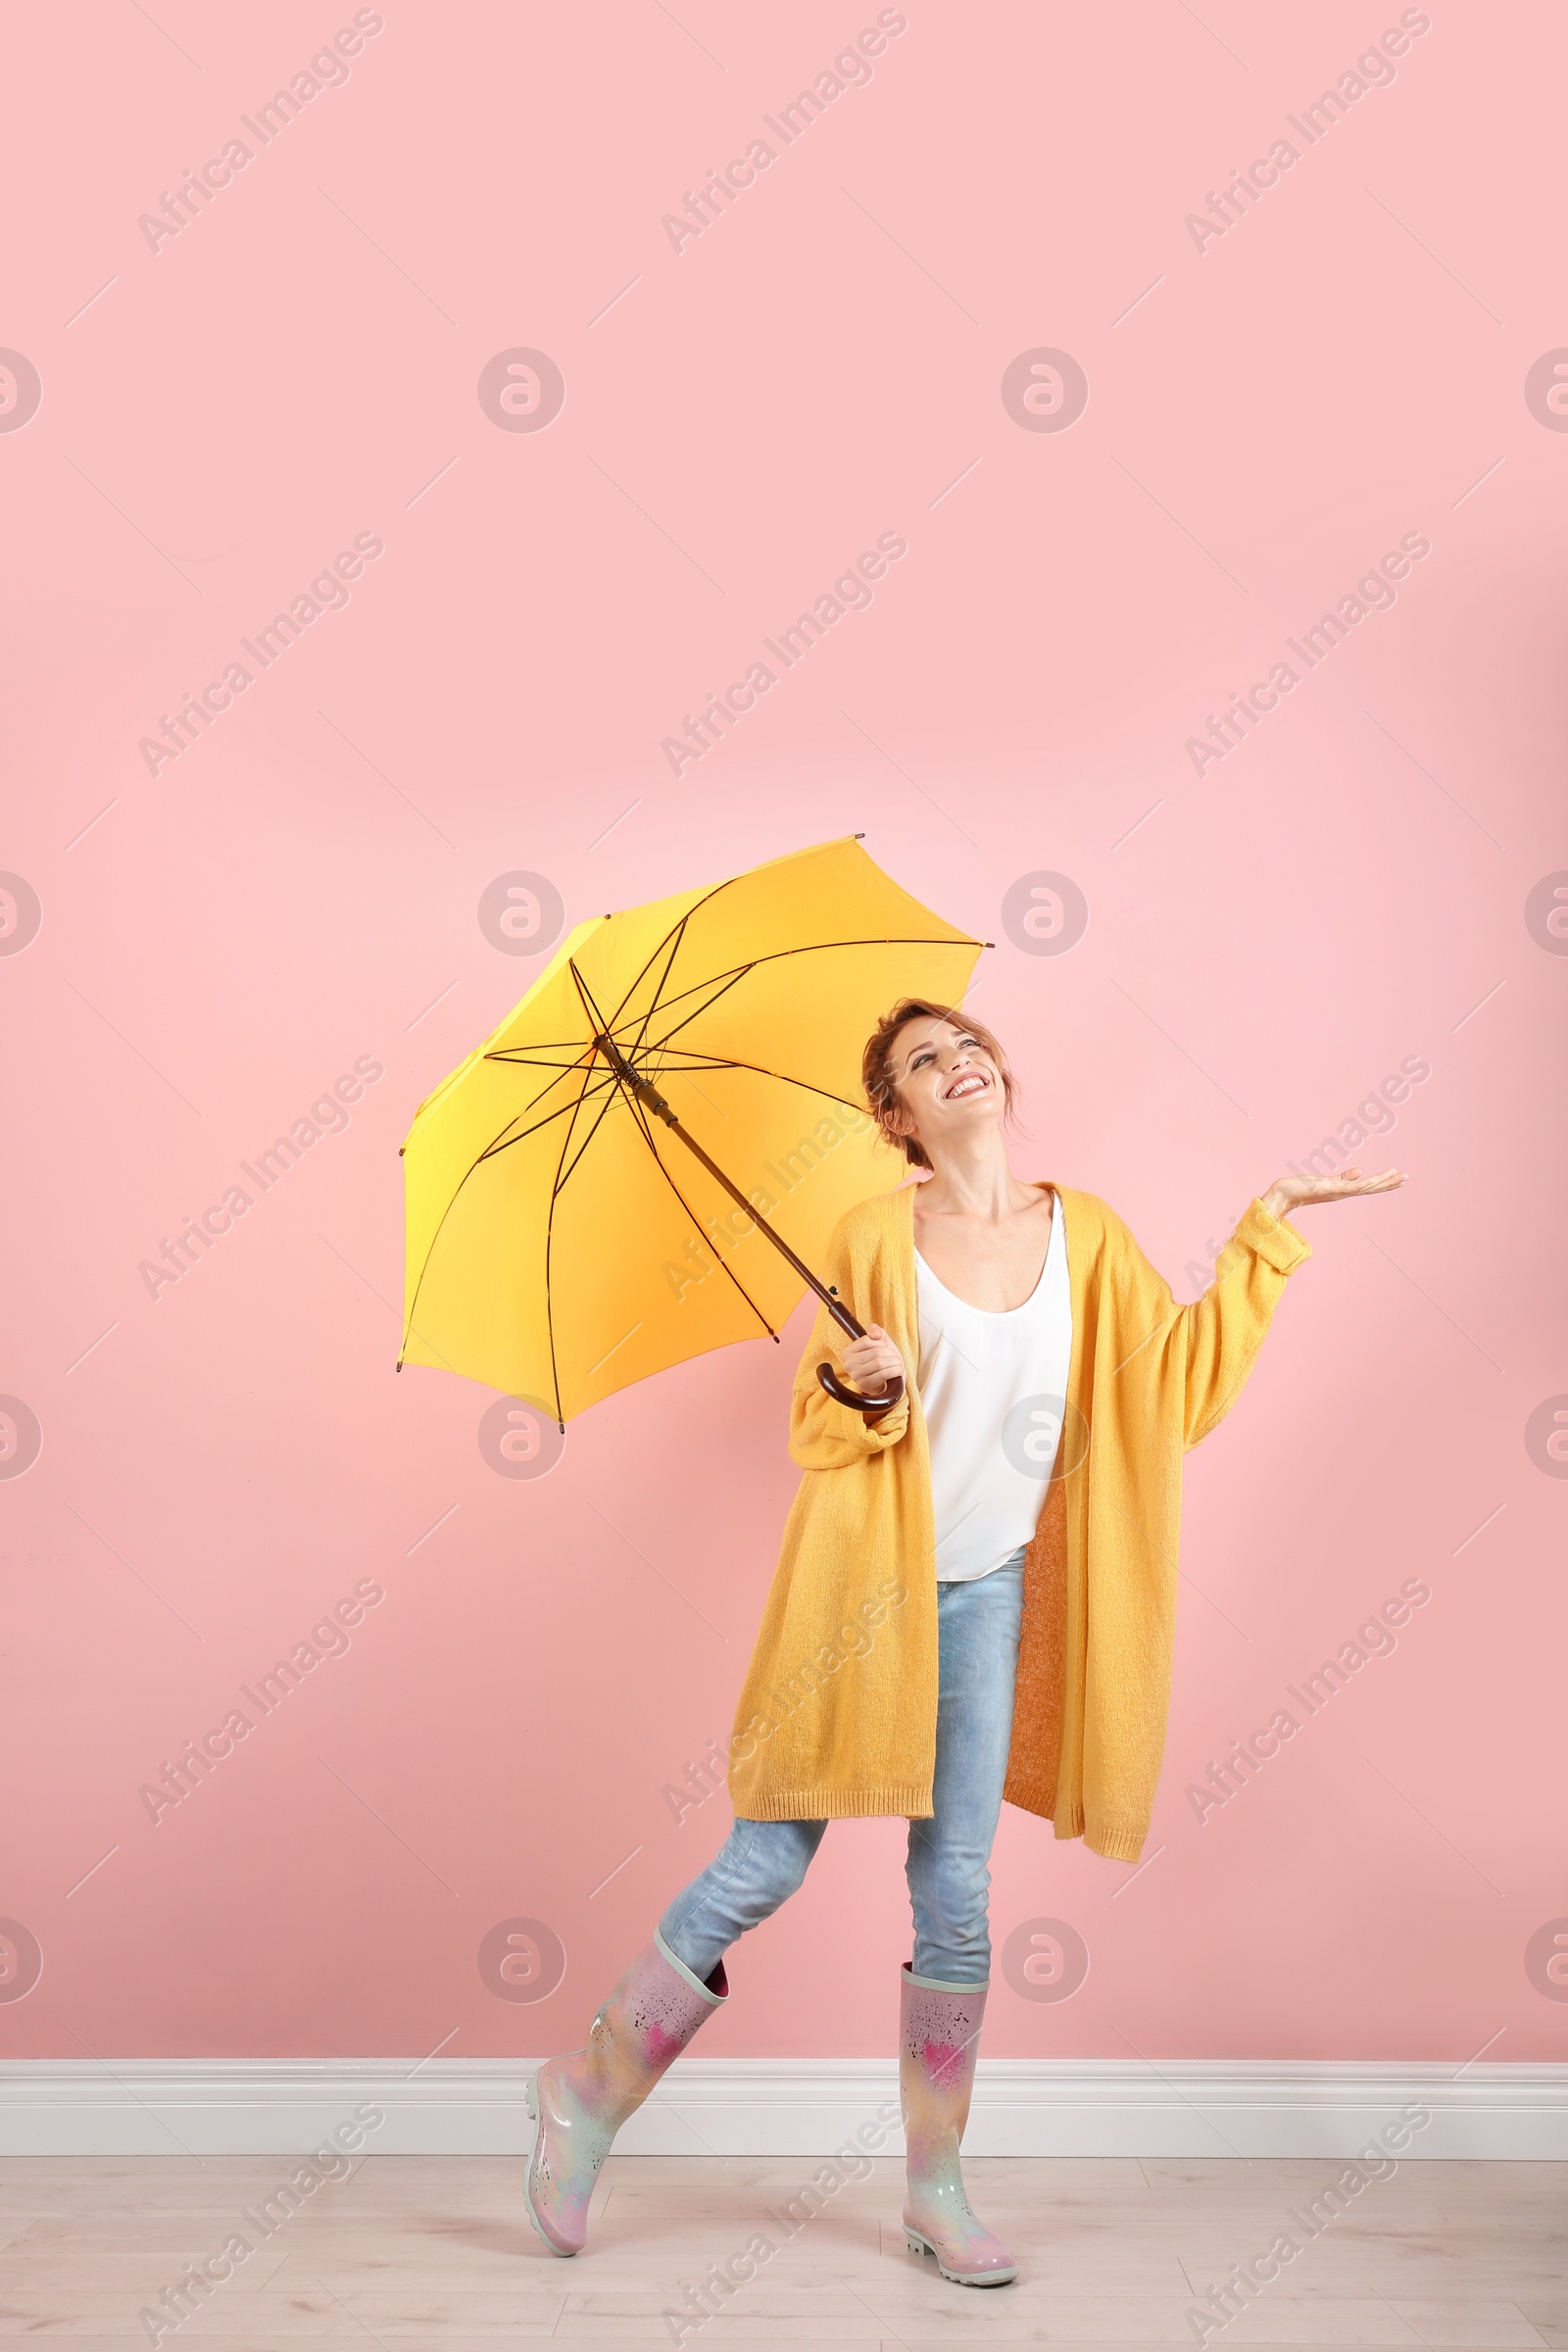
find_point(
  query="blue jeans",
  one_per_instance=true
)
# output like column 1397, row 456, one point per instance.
column 762, row 1863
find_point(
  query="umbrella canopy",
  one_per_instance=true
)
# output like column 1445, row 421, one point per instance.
column 562, row 1240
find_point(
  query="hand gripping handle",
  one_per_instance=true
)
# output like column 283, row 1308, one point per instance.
column 839, row 1392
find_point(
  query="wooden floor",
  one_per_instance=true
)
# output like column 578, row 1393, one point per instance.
column 418, row 2251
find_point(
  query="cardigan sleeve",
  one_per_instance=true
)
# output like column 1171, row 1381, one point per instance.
column 1215, row 1341
column 823, row 1435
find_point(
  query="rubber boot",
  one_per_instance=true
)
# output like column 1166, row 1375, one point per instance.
column 579, row 2103
column 938, row 2039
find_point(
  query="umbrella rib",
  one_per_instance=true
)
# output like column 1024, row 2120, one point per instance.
column 637, row 1112
column 504, row 1141
column 493, row 1146
column 676, row 928
column 541, row 1045
column 640, row 1045
column 636, row 1109
column 809, row 1085
column 610, row 1092
column 729, row 884
column 676, row 938
column 595, row 1016
column 661, row 1044
column 817, row 948
column 584, row 1060
column 518, row 1059
column 616, row 1084
column 693, row 1057
column 550, row 1235
column 731, row 980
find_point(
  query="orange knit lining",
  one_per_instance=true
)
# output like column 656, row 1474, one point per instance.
column 1042, row 1678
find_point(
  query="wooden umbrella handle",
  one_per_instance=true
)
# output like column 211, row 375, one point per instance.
column 871, row 1406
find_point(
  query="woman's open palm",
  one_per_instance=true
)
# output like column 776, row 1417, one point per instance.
column 1305, row 1192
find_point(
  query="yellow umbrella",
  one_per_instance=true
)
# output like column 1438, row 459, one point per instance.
column 642, row 1162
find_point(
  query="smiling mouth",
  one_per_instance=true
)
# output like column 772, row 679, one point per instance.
column 973, row 1082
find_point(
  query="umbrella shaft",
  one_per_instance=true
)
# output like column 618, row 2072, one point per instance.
column 650, row 1096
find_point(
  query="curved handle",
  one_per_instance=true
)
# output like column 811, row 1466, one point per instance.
column 871, row 1406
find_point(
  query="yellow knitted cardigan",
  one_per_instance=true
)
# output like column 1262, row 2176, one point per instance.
column 837, row 1716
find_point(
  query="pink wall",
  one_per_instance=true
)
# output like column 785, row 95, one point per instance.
column 1267, row 939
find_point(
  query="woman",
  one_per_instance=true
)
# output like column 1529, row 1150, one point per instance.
column 971, row 1601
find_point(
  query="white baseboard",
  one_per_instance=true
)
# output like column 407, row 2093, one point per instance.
column 782, row 2107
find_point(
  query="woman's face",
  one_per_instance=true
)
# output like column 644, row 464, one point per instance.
column 946, row 1083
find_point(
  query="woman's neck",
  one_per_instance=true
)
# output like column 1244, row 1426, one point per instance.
column 976, row 1182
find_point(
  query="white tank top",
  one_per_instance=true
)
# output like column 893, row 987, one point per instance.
column 993, row 1388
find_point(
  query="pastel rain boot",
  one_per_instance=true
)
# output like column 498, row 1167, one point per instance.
column 938, row 2039
column 579, row 2103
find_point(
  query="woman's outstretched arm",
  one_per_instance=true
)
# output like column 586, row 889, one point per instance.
column 1220, row 1334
